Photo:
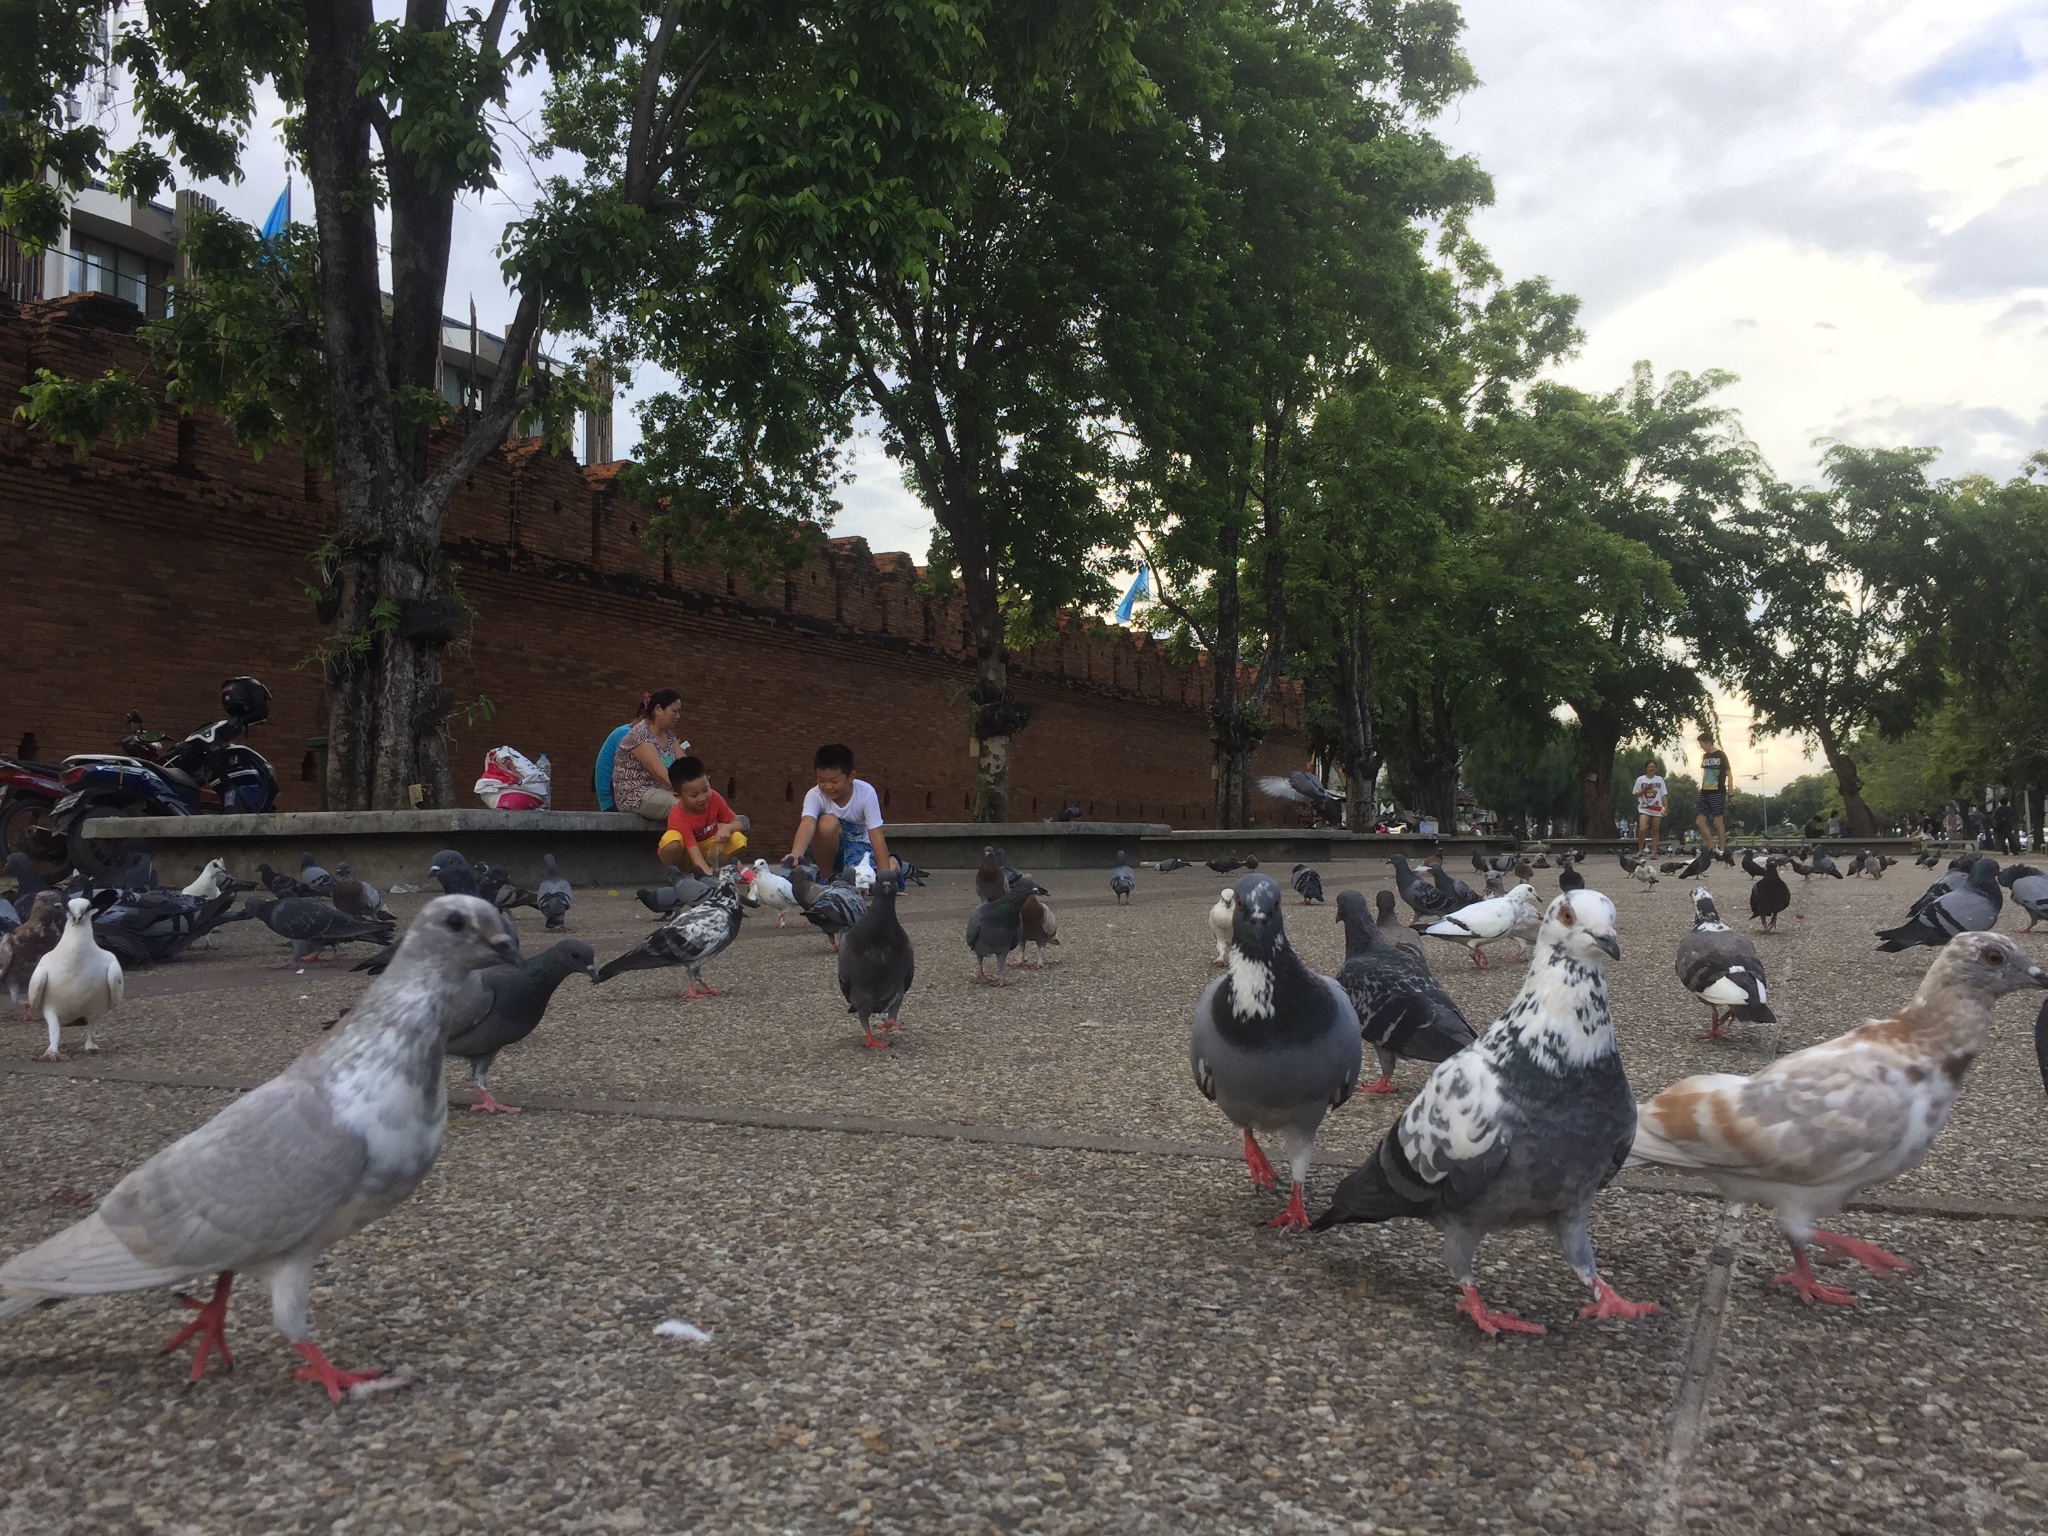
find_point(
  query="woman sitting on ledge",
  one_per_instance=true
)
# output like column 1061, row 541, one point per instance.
column 640, row 763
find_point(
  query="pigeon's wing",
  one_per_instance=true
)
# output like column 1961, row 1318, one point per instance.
column 1454, row 1133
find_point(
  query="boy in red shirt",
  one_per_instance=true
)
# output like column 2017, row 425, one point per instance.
column 702, row 829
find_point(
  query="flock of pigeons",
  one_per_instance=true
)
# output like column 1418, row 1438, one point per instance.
column 1522, row 1123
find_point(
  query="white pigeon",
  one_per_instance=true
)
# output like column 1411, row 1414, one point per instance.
column 77, row 982
column 864, row 875
column 1811, row 1130
column 1514, row 916
column 770, row 889
column 210, row 882
column 341, row 1136
column 1222, row 917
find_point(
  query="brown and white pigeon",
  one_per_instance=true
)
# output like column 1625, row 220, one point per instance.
column 22, row 950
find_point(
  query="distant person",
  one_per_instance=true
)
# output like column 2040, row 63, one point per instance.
column 1713, row 802
column 703, row 832
column 1976, row 824
column 842, row 820
column 1653, row 796
column 2005, row 831
column 1815, row 828
column 1834, row 826
column 640, row 762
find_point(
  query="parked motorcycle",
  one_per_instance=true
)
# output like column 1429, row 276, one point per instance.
column 209, row 772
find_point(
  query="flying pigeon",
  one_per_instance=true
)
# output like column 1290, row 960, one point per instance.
column 341, row 1136
column 312, row 925
column 990, row 880
column 1391, row 927
column 1123, row 880
column 877, row 966
column 1720, row 967
column 691, row 937
column 358, row 898
column 833, row 911
column 284, row 887
column 1423, row 897
column 313, row 877
column 2029, row 888
column 1040, row 927
column 1226, row 863
column 1308, row 884
column 1299, row 788
column 22, row 950
column 554, row 895
column 770, row 889
column 214, row 880
column 1526, row 1127
column 1813, row 1129
column 455, row 874
column 1971, row 909
column 1403, row 1014
column 996, row 927
column 1223, row 921
column 1769, row 896
column 1275, row 1046
column 1513, row 916
column 77, row 982
column 502, row 1005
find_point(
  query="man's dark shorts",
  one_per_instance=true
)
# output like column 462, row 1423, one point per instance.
column 1713, row 805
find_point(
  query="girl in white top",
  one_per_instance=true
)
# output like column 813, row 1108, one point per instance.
column 1652, row 795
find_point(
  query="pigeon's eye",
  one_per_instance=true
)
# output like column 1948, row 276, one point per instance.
column 455, row 923
column 1994, row 957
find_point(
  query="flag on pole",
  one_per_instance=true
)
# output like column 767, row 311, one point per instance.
column 280, row 213
column 1141, row 588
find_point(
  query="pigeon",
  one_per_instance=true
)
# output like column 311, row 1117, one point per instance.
column 803, row 884
column 1928, row 858
column 502, row 1005
column 1275, row 1046
column 1637, row 868
column 877, row 966
column 214, row 880
column 22, row 950
column 1568, row 876
column 9, row 918
column 1697, row 865
column 1226, row 863
column 1513, row 916
column 908, row 874
column 358, row 898
column 1957, row 877
column 1299, row 788
column 1671, row 866
column 455, row 874
column 997, row 927
column 1480, row 863
column 1403, row 1014
column 1495, row 885
column 685, row 890
column 554, row 895
column 1720, row 967
column 1391, row 927
column 1168, row 866
column 1542, row 861
column 1884, row 862
column 149, row 927
column 989, row 879
column 1806, row 1134
column 691, row 937
column 1424, row 898
column 2029, row 888
column 1769, row 896
column 316, row 879
column 340, row 1137
column 1856, row 865
column 1523, row 870
column 28, row 882
column 1251, row 861
column 77, row 982
column 1525, row 1127
column 1308, row 884
column 1460, row 894
column 833, row 911
column 1071, row 813
column 1122, row 880
column 1040, row 927
column 1823, row 865
column 769, row 889
column 284, row 887
column 1750, row 866
column 313, row 926
column 503, row 892
column 1222, row 921
column 132, row 868
column 1971, row 909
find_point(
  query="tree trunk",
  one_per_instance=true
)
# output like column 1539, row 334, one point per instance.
column 1433, row 756
column 1225, row 715
column 1354, row 714
column 1252, row 720
column 997, row 713
column 1601, row 734
column 1854, row 812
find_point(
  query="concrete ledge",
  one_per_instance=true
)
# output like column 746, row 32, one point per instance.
column 1287, row 846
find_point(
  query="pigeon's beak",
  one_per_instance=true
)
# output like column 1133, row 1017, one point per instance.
column 2037, row 976
column 1608, row 942
column 505, row 945
column 591, row 971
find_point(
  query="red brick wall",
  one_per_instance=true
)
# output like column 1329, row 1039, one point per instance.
column 141, row 577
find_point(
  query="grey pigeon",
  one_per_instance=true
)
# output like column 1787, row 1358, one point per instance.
column 1525, row 1128
column 2029, row 888
column 1823, row 865
column 1123, row 880
column 1168, row 866
column 1542, row 861
column 877, row 965
column 908, row 874
column 1308, row 884
column 1226, row 863
column 995, row 928
column 1274, row 1045
column 77, row 982
column 28, row 881
column 834, row 909
column 691, row 937
column 340, row 1137
column 1423, row 897
column 9, row 918
column 1390, row 926
column 685, row 890
column 503, row 1004
column 313, row 925
column 1972, row 909
column 1460, row 894
column 1495, row 885
column 1883, row 862
column 132, row 868
column 358, row 898
column 1568, row 876
column 283, row 887
column 21, row 950
column 803, row 884
column 1720, row 967
column 1928, row 858
column 455, row 874
column 1070, row 813
column 2041, row 1041
column 151, row 927
column 498, row 887
column 316, row 879
column 1403, row 1014
column 989, row 878
column 1300, row 788
column 554, row 895
column 1856, row 865
column 1696, row 866
column 1957, row 877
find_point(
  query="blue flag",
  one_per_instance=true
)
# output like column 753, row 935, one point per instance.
column 280, row 214
column 1141, row 588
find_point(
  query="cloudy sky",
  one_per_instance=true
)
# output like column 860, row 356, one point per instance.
column 1844, row 204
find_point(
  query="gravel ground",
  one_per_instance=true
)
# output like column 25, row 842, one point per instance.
column 912, row 1334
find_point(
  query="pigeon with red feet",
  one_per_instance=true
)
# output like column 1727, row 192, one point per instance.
column 877, row 965
column 505, row 1004
column 995, row 928
column 340, row 1137
column 1524, row 1128
column 693, row 936
column 1720, row 967
column 1403, row 1013
column 1814, row 1129
column 1275, row 1046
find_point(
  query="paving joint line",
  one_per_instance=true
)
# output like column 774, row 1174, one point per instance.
column 1689, row 1409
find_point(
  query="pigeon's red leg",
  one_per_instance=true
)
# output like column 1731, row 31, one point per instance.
column 868, row 1039
column 488, row 1104
column 1869, row 1255
column 210, row 1326
column 319, row 1368
column 1608, row 1302
column 1714, row 1029
column 1802, row 1279
column 1254, row 1159
column 701, row 990
column 1384, row 1085
column 1295, row 1217
column 1492, row 1324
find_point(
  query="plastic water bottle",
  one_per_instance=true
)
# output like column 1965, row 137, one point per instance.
column 547, row 774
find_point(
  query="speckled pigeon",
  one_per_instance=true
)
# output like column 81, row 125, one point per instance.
column 691, row 937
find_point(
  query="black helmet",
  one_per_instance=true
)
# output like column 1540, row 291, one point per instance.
column 245, row 700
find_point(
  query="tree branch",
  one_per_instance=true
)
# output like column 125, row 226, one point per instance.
column 637, row 177
column 501, row 407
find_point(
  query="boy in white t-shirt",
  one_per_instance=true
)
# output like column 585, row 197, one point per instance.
column 1652, row 796
column 842, row 817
